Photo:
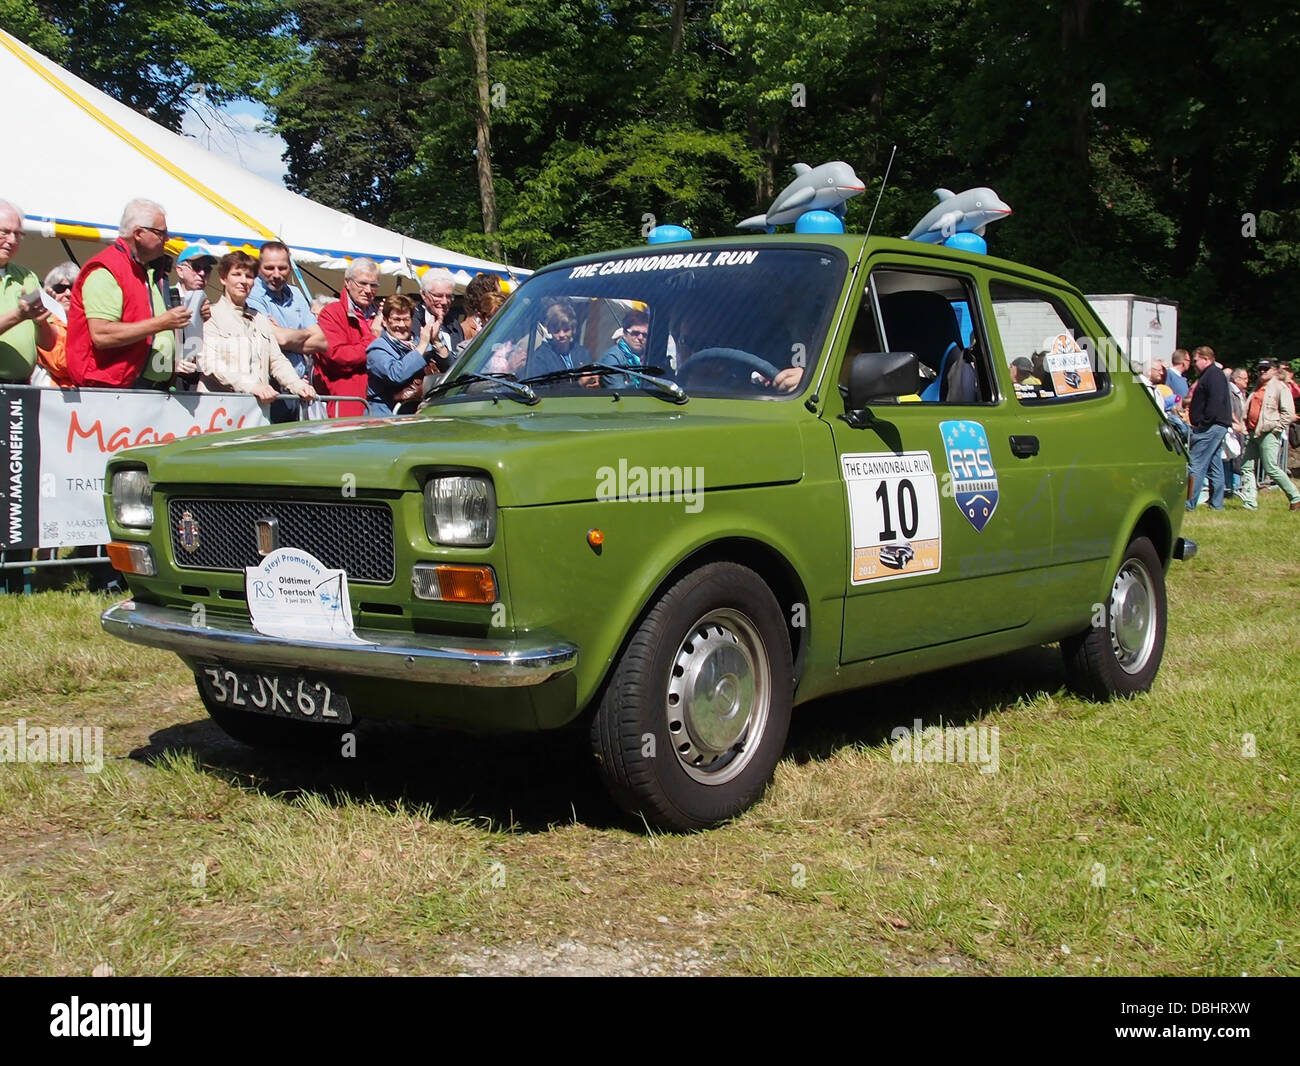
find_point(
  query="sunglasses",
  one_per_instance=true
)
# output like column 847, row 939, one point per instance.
column 61, row 287
column 636, row 332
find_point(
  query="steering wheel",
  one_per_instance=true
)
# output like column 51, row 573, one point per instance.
column 741, row 364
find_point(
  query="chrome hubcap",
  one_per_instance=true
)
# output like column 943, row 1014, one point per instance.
column 718, row 698
column 1132, row 617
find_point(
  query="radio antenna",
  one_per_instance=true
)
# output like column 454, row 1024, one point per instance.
column 812, row 402
column 884, row 181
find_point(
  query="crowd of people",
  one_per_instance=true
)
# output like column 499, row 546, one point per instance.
column 1233, row 424
column 118, row 322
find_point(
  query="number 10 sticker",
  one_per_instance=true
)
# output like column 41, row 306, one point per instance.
column 893, row 514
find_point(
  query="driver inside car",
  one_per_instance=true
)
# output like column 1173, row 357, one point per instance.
column 726, row 354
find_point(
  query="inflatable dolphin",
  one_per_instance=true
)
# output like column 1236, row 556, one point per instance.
column 823, row 188
column 963, row 212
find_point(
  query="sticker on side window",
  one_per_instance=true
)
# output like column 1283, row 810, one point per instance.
column 893, row 515
column 1069, row 366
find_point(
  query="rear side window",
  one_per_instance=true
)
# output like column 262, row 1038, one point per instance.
column 1050, row 358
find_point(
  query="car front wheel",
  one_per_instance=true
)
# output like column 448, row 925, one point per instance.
column 1120, row 653
column 694, row 718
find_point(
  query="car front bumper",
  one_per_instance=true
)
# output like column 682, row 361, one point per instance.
column 392, row 656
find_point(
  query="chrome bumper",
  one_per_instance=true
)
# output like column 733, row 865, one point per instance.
column 392, row 656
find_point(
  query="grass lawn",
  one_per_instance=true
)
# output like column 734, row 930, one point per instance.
column 1158, row 835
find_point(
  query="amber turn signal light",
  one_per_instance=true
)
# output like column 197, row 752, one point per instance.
column 457, row 584
column 595, row 538
column 131, row 558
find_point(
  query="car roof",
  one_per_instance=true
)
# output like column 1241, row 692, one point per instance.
column 848, row 243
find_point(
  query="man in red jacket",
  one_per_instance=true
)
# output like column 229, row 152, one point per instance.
column 349, row 325
column 120, row 331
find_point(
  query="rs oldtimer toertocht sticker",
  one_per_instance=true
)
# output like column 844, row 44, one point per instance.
column 894, row 515
column 975, row 479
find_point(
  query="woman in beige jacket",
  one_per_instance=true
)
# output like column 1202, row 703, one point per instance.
column 239, row 349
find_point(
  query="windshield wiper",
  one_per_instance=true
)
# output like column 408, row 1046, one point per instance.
column 520, row 392
column 668, row 390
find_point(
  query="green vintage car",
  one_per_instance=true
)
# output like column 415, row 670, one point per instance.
column 667, row 494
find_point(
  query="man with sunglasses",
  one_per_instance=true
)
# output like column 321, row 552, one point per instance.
column 193, row 270
column 24, row 321
column 121, row 332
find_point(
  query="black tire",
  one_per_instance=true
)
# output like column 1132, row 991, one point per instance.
column 694, row 717
column 1120, row 657
column 279, row 734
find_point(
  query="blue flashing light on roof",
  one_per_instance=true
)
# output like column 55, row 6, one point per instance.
column 668, row 235
column 819, row 222
column 967, row 242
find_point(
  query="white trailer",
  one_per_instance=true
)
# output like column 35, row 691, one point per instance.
column 1145, row 327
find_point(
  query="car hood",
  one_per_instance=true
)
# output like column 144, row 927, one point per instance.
column 535, row 455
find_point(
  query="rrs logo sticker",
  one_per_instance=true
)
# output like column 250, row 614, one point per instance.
column 975, row 481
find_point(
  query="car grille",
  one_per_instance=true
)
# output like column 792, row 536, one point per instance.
column 354, row 537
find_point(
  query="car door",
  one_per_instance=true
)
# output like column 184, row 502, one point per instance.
column 1067, row 407
column 947, row 524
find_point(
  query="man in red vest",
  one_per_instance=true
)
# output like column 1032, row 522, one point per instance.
column 120, row 330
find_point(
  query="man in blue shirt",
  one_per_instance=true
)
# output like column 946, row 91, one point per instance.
column 284, row 304
column 1176, row 374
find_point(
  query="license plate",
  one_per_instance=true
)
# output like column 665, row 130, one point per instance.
column 280, row 694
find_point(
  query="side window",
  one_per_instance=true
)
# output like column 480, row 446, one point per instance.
column 934, row 315
column 1050, row 358
column 863, row 337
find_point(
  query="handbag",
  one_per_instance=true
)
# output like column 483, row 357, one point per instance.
column 414, row 389
column 1231, row 445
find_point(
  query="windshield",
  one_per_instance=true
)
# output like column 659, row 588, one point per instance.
column 740, row 322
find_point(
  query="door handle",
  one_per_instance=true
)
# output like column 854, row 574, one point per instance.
column 1024, row 447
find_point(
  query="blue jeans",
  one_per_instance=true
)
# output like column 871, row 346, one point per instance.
column 1206, row 445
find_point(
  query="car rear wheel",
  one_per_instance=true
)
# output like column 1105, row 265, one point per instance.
column 1120, row 654
column 263, row 731
column 694, row 718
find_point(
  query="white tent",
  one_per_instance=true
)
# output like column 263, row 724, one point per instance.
column 74, row 156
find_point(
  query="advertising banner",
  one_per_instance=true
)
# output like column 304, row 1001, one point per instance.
column 20, row 454
column 56, row 444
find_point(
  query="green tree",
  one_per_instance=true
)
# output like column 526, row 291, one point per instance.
column 151, row 53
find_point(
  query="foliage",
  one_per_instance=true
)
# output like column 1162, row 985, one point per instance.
column 151, row 54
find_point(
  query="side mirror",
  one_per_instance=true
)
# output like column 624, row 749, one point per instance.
column 875, row 376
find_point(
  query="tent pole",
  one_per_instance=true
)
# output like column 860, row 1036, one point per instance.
column 68, row 248
column 323, row 283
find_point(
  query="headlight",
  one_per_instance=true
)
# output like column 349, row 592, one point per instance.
column 133, row 498
column 460, row 510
